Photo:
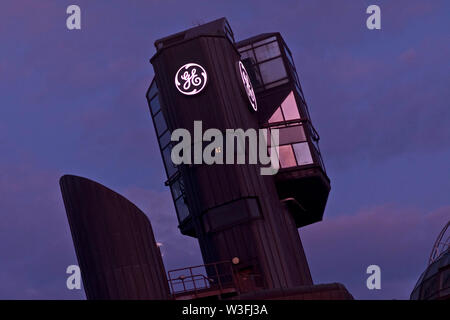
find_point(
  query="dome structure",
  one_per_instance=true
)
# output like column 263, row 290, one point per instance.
column 434, row 283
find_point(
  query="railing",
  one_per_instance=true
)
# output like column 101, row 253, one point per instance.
column 193, row 281
column 305, row 122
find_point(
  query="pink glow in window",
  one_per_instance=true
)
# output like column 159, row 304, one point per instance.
column 287, row 158
column 289, row 107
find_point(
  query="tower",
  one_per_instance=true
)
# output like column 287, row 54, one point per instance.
column 233, row 210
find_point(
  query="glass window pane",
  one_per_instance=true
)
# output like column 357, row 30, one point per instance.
column 267, row 51
column 245, row 48
column 290, row 109
column 253, row 73
column 155, row 105
column 277, row 116
column 272, row 70
column 160, row 123
column 248, row 55
column 170, row 167
column 253, row 208
column 287, row 158
column 292, row 134
column 165, row 139
column 153, row 90
column 176, row 189
column 303, row 153
column 182, row 209
column 264, row 41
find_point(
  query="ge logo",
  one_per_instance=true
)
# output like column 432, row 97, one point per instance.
column 248, row 86
column 191, row 79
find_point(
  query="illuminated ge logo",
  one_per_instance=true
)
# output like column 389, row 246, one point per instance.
column 247, row 86
column 191, row 79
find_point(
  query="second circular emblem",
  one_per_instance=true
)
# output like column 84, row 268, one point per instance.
column 248, row 87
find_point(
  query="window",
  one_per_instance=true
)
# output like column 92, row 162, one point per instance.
column 290, row 109
column 177, row 190
column 268, row 51
column 248, row 55
column 302, row 153
column 256, row 44
column 175, row 180
column 160, row 123
column 264, row 63
column 155, row 105
column 294, row 147
column 292, row 134
column 287, row 111
column 231, row 213
column 170, row 167
column 277, row 116
column 272, row 70
column 286, row 155
column 164, row 140
column 152, row 91
column 182, row 209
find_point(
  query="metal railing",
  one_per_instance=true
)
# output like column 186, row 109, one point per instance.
column 193, row 281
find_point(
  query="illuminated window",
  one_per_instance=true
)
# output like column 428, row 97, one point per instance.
column 292, row 134
column 287, row 111
column 302, row 153
column 286, row 155
column 277, row 116
column 290, row 109
column 294, row 148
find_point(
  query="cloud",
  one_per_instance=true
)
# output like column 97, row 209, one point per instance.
column 178, row 251
column 73, row 102
column 35, row 242
column 397, row 238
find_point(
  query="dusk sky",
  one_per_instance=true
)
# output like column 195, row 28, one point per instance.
column 73, row 102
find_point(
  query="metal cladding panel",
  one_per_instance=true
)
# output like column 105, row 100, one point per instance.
column 272, row 239
column 220, row 105
column 114, row 243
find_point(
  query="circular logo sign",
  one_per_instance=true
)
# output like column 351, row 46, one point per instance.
column 248, row 86
column 191, row 79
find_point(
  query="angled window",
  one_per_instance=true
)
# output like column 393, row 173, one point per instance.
column 174, row 177
column 294, row 134
column 263, row 60
column 290, row 109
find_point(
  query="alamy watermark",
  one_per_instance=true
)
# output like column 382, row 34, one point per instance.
column 233, row 152
column 374, row 280
column 74, row 280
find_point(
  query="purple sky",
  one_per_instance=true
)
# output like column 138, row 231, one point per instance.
column 74, row 102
